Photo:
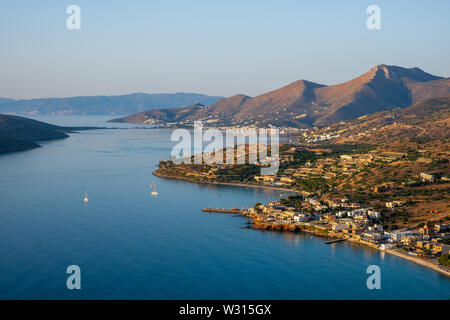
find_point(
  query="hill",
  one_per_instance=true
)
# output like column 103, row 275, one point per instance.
column 121, row 104
column 18, row 133
column 424, row 121
column 305, row 104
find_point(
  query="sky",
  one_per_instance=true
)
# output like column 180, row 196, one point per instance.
column 211, row 47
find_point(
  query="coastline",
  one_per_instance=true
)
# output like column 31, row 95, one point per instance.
column 423, row 263
column 290, row 228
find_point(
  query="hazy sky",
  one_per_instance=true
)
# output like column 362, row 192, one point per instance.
column 212, row 47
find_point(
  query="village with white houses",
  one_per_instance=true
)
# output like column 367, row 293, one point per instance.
column 349, row 221
column 391, row 199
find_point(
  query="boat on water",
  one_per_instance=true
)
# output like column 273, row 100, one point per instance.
column 86, row 199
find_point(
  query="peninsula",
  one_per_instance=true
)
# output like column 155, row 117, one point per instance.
column 19, row 133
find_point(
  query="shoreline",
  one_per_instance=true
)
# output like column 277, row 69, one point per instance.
column 423, row 263
column 278, row 228
column 233, row 184
column 290, row 228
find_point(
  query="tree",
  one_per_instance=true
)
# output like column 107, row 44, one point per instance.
column 445, row 260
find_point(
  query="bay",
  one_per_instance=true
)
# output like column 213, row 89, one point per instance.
column 131, row 245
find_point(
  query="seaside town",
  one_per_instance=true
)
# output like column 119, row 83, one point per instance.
column 349, row 221
column 345, row 193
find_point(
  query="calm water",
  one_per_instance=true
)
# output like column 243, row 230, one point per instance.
column 130, row 245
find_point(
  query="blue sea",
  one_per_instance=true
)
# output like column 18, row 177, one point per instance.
column 132, row 245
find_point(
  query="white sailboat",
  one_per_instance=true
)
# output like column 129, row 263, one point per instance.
column 154, row 192
column 86, row 199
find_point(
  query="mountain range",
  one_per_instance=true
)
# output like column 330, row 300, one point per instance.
column 120, row 104
column 304, row 104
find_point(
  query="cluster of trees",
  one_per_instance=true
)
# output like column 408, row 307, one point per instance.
column 412, row 154
column 302, row 157
column 338, row 149
column 241, row 173
column 292, row 201
column 438, row 162
column 445, row 260
column 313, row 184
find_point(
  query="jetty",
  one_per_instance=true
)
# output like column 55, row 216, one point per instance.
column 232, row 210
